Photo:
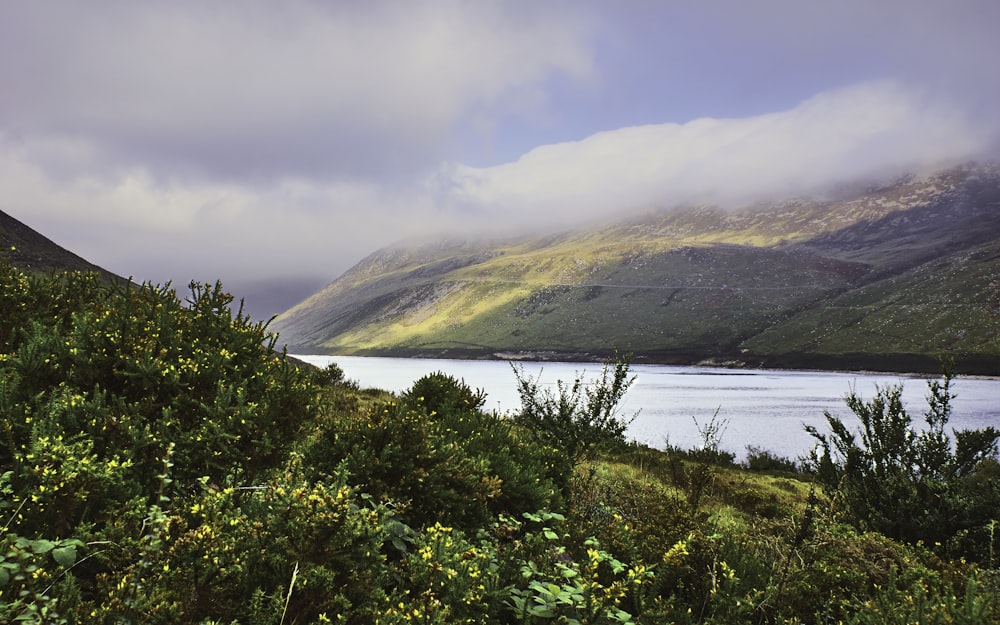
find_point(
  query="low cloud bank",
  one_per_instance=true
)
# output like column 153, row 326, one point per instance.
column 863, row 132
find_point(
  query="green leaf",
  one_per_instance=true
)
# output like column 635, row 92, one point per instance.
column 542, row 611
column 42, row 546
column 4, row 577
column 65, row 556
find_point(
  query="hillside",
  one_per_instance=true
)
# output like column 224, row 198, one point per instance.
column 35, row 254
column 888, row 277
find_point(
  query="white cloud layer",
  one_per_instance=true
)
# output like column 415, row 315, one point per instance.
column 866, row 131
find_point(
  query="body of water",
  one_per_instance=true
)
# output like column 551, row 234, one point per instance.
column 761, row 408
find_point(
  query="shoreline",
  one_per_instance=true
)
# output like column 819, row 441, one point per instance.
column 977, row 367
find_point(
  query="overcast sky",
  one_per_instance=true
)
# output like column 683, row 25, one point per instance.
column 258, row 142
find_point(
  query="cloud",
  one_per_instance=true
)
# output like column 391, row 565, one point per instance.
column 256, row 89
column 137, row 224
column 860, row 132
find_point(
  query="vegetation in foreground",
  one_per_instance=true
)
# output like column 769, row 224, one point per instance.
column 159, row 463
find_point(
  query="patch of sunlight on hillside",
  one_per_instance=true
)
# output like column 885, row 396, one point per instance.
column 742, row 237
column 471, row 301
column 551, row 265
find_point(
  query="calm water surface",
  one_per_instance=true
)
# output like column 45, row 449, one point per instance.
column 761, row 408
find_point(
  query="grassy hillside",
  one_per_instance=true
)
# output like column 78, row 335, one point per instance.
column 159, row 463
column 950, row 305
column 691, row 284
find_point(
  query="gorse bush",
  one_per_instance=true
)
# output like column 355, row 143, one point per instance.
column 439, row 457
column 100, row 385
column 909, row 484
column 441, row 393
column 119, row 375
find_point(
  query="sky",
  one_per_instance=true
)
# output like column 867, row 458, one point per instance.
column 274, row 145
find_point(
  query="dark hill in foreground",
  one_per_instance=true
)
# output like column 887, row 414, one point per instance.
column 36, row 254
column 892, row 277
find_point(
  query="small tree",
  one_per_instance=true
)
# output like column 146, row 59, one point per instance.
column 576, row 417
column 440, row 393
column 907, row 484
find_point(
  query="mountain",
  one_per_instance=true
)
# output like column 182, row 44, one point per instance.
column 889, row 277
column 33, row 253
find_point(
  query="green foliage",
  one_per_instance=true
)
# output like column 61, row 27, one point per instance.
column 441, row 393
column 929, row 606
column 31, row 568
column 451, row 464
column 101, row 380
column 208, row 556
column 448, row 580
column 694, row 470
column 578, row 586
column 764, row 461
column 576, row 418
column 907, row 484
column 160, row 464
column 399, row 454
column 634, row 517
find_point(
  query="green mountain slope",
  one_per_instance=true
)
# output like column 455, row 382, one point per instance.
column 33, row 253
column 948, row 306
column 890, row 277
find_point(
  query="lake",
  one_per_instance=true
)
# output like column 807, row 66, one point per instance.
column 761, row 408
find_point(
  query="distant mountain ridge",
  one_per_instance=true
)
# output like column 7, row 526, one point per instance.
column 890, row 277
column 33, row 253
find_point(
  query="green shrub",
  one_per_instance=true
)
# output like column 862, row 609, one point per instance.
column 441, row 393
column 32, row 569
column 928, row 605
column 907, row 484
column 763, row 461
column 113, row 374
column 695, row 470
column 229, row 552
column 459, row 467
column 634, row 518
column 576, row 418
column 447, row 579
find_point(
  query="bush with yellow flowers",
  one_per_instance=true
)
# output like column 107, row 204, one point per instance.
column 161, row 463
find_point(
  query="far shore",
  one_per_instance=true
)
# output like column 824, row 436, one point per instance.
column 974, row 366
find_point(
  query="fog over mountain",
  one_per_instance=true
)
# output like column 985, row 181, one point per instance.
column 257, row 142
